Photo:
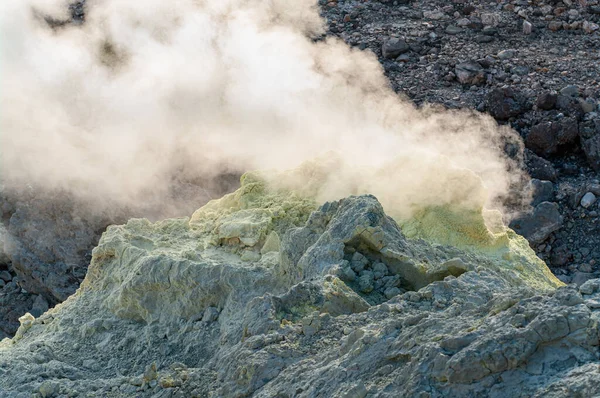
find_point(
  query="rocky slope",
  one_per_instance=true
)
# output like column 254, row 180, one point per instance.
column 267, row 293
column 47, row 237
column 473, row 54
column 532, row 65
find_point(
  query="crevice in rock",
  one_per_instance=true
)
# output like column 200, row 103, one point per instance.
column 368, row 273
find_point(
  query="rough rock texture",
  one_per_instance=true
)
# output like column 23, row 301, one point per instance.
column 590, row 141
column 47, row 237
column 525, row 74
column 529, row 79
column 541, row 222
column 247, row 298
column 546, row 138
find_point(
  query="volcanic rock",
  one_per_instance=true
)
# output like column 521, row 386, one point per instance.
column 504, row 103
column 540, row 223
column 546, row 138
column 589, row 134
column 394, row 47
column 546, row 100
column 276, row 322
column 470, row 73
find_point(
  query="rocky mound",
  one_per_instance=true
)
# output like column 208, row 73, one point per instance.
column 265, row 293
column 47, row 237
column 529, row 64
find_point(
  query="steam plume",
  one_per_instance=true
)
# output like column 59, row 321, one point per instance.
column 147, row 90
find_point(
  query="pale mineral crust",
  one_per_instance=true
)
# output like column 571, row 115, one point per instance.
column 266, row 293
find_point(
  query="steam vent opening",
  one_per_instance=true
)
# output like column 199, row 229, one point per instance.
column 377, row 278
column 367, row 273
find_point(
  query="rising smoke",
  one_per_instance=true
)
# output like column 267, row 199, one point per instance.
column 146, row 91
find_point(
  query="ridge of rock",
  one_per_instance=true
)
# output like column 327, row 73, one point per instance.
column 265, row 293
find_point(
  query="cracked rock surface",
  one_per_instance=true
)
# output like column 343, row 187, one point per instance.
column 250, row 297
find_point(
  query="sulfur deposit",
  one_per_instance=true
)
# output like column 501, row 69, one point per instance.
column 267, row 292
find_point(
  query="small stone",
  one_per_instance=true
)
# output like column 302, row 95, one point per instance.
column 470, row 72
column 49, row 389
column 527, row 27
column 365, row 282
column 394, row 47
column 272, row 243
column 391, row 292
column 590, row 27
column 311, row 324
column 507, row 54
column 590, row 287
column 490, row 19
column 468, row 9
column 547, row 138
column 150, row 373
column 5, row 276
column 555, row 26
column 40, row 305
column 546, row 100
column 570, row 91
column 348, row 274
column 136, row 381
column 579, row 278
column 489, row 31
column 539, row 224
column 453, row 30
column 588, row 200
column 211, row 314
column 463, row 22
column 435, row 15
column 403, row 58
column 588, row 105
column 539, row 167
column 358, row 262
column 505, row 103
column 543, row 191
column 391, row 281
column 379, row 270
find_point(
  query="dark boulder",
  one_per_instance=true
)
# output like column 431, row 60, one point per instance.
column 505, row 103
column 547, row 138
column 589, row 135
column 471, row 73
column 394, row 47
column 547, row 100
column 537, row 225
column 540, row 168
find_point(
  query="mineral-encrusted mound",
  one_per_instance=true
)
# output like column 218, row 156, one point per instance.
column 265, row 293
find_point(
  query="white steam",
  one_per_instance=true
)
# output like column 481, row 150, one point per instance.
column 148, row 89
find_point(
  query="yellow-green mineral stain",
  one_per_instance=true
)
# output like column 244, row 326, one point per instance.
column 252, row 212
column 508, row 253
